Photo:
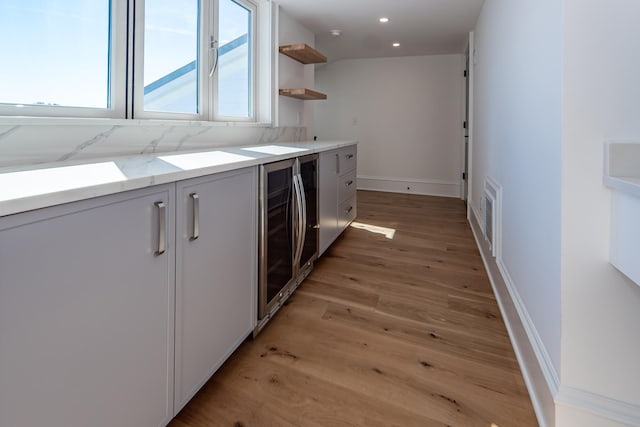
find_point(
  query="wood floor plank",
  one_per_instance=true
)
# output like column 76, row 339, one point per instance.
column 306, row 399
column 361, row 351
column 400, row 331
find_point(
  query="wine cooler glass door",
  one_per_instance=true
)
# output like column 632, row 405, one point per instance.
column 309, row 174
column 277, row 240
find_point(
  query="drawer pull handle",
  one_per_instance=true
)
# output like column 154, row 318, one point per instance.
column 348, row 183
column 162, row 225
column 195, row 199
column 348, row 211
column 349, row 156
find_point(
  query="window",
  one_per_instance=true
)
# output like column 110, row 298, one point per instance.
column 171, row 59
column 198, row 59
column 61, row 53
column 166, row 59
column 234, row 83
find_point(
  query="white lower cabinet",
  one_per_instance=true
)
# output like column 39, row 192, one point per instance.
column 338, row 201
column 86, row 313
column 328, row 171
column 115, row 310
column 215, row 274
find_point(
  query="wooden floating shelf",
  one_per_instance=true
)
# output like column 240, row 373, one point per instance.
column 304, row 94
column 303, row 53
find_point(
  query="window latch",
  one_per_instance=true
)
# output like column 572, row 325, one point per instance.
column 213, row 45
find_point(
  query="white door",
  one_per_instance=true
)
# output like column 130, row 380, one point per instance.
column 465, row 171
column 216, row 298
column 86, row 325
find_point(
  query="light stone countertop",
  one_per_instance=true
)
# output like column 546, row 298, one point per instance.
column 29, row 188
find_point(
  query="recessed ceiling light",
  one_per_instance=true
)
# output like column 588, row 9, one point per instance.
column 384, row 19
column 335, row 33
column 396, row 44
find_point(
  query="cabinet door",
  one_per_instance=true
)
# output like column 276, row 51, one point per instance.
column 216, row 301
column 328, row 205
column 348, row 159
column 347, row 212
column 86, row 325
column 346, row 186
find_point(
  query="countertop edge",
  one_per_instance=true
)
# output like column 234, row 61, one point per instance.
column 39, row 201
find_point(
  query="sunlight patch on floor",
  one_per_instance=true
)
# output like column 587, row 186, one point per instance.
column 386, row 232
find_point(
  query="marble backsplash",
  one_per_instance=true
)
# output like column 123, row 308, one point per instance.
column 32, row 144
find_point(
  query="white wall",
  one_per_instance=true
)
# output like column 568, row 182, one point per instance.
column 553, row 81
column 600, row 307
column 407, row 115
column 517, row 141
column 292, row 74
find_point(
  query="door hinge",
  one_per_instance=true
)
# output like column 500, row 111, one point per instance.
column 465, row 73
column 464, row 176
column 464, row 124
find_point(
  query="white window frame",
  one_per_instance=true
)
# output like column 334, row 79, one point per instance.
column 127, row 70
column 138, row 70
column 207, row 99
column 117, row 78
column 214, row 115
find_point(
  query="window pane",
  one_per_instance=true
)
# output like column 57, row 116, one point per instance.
column 171, row 56
column 55, row 52
column 234, row 95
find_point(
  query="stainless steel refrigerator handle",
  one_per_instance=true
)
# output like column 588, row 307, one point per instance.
column 296, row 219
column 195, row 201
column 304, row 216
column 162, row 228
column 296, row 185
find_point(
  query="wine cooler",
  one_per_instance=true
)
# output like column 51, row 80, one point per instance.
column 288, row 230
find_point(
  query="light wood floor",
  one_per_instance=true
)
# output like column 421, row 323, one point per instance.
column 401, row 331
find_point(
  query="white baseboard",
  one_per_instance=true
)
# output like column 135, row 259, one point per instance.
column 409, row 186
column 539, row 375
column 548, row 394
column 606, row 410
column 549, row 371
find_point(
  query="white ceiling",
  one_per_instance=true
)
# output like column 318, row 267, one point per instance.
column 422, row 27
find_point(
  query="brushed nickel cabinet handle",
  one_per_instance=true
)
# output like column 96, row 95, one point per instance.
column 348, row 183
column 195, row 201
column 349, row 156
column 348, row 210
column 162, row 225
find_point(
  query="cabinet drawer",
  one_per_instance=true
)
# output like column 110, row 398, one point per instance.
column 346, row 185
column 348, row 156
column 347, row 212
